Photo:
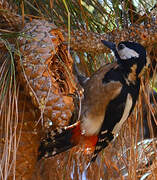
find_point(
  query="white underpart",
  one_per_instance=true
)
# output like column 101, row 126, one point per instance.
column 125, row 115
column 91, row 126
column 127, row 53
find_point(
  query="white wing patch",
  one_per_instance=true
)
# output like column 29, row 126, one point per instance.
column 127, row 53
column 125, row 115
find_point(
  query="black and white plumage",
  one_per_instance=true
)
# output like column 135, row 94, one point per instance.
column 110, row 95
column 131, row 59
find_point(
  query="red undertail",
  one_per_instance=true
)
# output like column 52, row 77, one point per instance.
column 60, row 140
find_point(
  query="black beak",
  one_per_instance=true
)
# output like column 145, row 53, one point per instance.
column 110, row 45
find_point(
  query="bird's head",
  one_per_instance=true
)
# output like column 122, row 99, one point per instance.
column 128, row 53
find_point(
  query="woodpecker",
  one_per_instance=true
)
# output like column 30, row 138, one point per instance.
column 110, row 95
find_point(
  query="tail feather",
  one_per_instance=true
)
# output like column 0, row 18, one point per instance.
column 59, row 140
column 105, row 137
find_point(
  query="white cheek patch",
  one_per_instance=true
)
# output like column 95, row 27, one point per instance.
column 125, row 115
column 127, row 53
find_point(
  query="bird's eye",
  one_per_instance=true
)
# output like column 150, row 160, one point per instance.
column 121, row 46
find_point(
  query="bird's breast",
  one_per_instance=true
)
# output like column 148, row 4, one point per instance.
column 94, row 107
column 91, row 124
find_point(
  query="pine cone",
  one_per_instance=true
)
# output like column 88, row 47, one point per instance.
column 9, row 20
column 45, row 69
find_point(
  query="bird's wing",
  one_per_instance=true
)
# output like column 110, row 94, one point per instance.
column 97, row 95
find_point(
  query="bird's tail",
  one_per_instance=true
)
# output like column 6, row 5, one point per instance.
column 59, row 140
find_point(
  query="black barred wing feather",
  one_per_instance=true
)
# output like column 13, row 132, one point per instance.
column 55, row 142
